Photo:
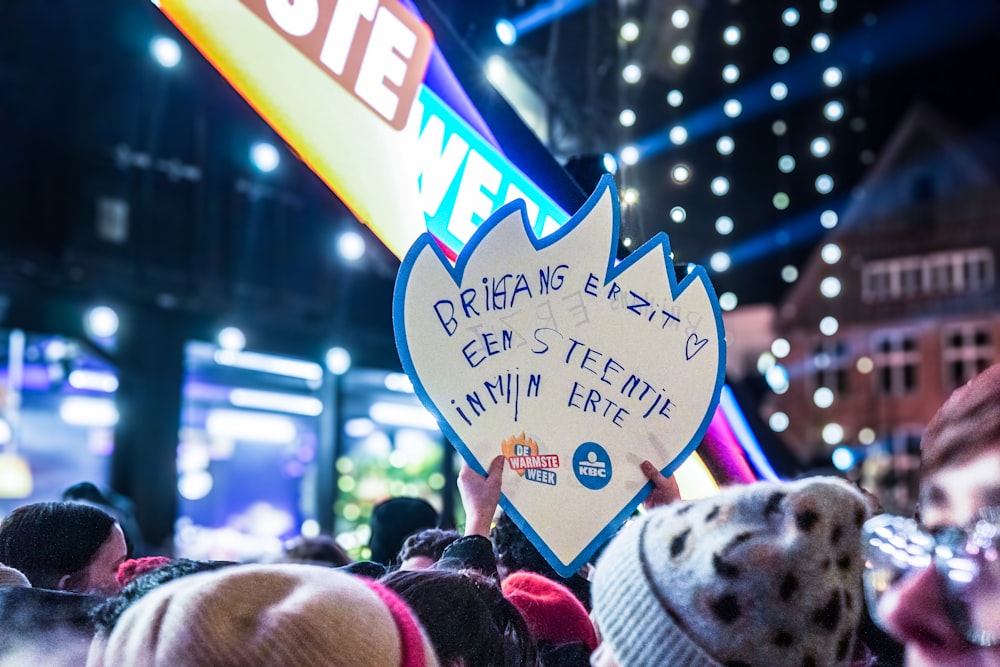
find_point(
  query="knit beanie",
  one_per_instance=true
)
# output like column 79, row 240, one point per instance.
column 966, row 426
column 11, row 577
column 761, row 574
column 134, row 568
column 551, row 611
column 266, row 616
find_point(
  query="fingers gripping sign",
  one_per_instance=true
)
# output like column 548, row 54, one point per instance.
column 480, row 496
column 665, row 489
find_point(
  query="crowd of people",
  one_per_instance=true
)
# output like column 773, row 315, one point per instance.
column 804, row 572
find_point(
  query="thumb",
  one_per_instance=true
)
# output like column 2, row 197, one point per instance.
column 496, row 465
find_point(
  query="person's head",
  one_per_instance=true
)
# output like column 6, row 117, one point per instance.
column 141, row 576
column 393, row 521
column 64, row 546
column 760, row 574
column 561, row 626
column 935, row 585
column 515, row 553
column 467, row 618
column 423, row 549
column 319, row 550
column 87, row 491
column 258, row 615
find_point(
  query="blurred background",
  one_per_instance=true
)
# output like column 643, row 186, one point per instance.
column 190, row 317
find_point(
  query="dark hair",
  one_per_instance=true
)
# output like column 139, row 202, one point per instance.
column 47, row 541
column 106, row 615
column 515, row 552
column 467, row 618
column 120, row 507
column 394, row 520
column 430, row 543
column 322, row 549
column 573, row 654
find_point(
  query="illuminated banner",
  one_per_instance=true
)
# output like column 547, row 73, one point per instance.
column 342, row 82
column 347, row 84
column 573, row 366
column 376, row 50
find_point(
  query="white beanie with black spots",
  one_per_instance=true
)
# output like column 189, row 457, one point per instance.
column 761, row 574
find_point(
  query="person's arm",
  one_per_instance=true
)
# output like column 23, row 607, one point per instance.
column 480, row 496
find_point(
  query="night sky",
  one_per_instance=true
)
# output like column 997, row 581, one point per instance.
column 892, row 55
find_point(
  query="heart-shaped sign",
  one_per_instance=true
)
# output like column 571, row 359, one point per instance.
column 572, row 365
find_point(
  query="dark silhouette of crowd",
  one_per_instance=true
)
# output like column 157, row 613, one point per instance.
column 803, row 572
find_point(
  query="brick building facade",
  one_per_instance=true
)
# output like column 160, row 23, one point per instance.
column 897, row 307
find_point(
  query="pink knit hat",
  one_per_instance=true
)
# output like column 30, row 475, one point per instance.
column 266, row 615
column 134, row 568
column 552, row 612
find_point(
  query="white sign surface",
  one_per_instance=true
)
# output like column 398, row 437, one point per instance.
column 574, row 366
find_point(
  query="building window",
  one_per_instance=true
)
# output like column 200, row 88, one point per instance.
column 977, row 270
column 905, row 441
column 830, row 365
column 967, row 351
column 875, row 279
column 938, row 273
column 897, row 361
column 910, row 277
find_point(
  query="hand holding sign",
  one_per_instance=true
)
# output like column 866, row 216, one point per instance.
column 665, row 489
column 574, row 368
column 480, row 496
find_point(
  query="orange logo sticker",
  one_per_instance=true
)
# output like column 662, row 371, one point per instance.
column 522, row 454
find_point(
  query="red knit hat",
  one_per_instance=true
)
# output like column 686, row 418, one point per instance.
column 551, row 611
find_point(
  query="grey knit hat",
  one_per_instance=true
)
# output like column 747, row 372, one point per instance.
column 761, row 574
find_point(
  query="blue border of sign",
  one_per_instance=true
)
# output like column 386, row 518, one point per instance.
column 658, row 242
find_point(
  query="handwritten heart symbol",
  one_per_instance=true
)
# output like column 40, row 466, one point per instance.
column 694, row 342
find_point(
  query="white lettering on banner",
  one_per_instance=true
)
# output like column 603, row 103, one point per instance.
column 514, row 192
column 472, row 202
column 375, row 49
column 297, row 19
column 389, row 35
column 438, row 166
column 462, row 179
column 550, row 226
column 340, row 36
